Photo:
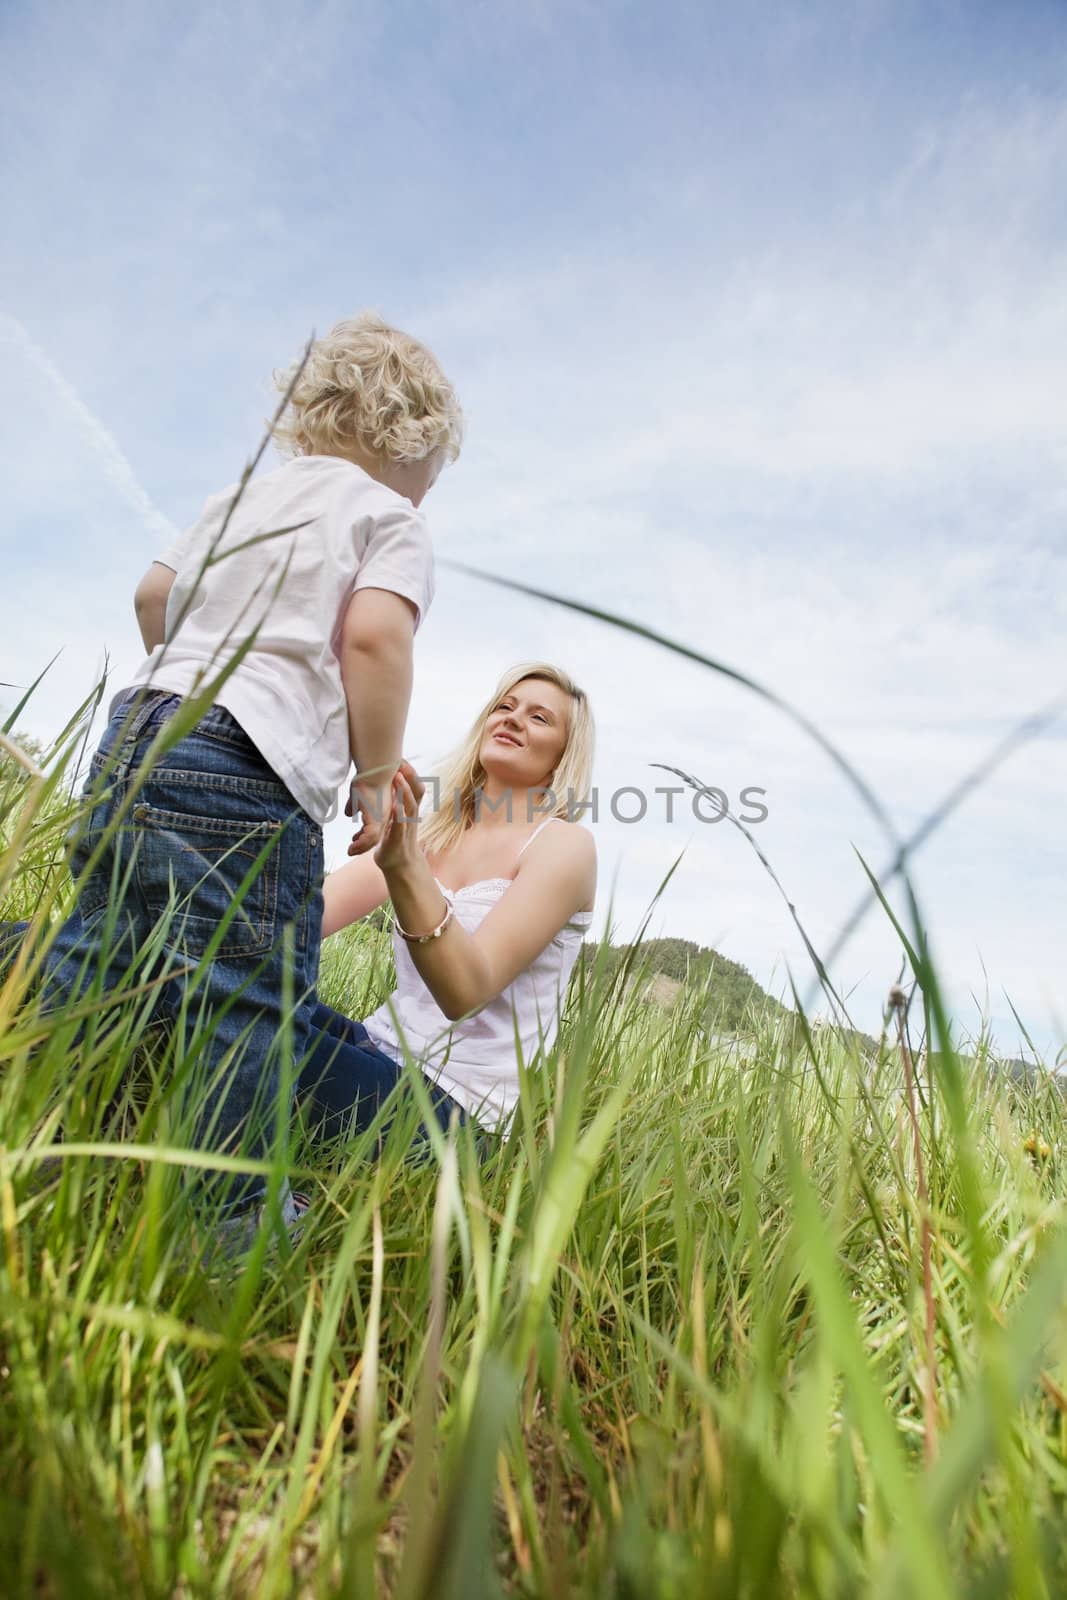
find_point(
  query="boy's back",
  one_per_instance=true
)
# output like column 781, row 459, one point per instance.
column 290, row 589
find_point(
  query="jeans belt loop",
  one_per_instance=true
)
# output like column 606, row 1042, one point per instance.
column 138, row 714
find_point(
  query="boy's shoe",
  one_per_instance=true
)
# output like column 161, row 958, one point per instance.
column 233, row 1237
column 295, row 1228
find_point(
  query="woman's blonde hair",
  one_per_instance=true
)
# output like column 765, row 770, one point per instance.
column 462, row 774
column 373, row 387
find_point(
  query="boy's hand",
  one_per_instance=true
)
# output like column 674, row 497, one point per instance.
column 372, row 799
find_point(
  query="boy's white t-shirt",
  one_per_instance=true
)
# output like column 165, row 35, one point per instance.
column 295, row 582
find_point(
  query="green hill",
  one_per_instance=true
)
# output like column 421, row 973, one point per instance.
column 733, row 999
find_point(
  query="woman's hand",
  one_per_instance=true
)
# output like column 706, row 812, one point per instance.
column 463, row 971
column 399, row 845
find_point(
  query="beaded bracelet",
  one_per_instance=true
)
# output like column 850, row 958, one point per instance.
column 435, row 933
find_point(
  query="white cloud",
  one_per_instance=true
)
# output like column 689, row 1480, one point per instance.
column 74, row 415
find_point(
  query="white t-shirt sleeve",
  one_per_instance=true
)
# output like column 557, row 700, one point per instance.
column 399, row 557
column 179, row 549
column 172, row 556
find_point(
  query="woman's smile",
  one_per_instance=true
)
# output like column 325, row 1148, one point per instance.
column 531, row 720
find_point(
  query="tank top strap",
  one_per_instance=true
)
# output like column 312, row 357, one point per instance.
column 536, row 831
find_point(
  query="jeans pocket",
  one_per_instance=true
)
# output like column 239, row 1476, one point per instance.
column 204, row 870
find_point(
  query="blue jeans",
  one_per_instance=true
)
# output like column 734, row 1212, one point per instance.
column 213, row 833
column 347, row 1079
column 11, row 936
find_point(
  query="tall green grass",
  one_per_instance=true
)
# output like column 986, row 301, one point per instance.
column 780, row 1321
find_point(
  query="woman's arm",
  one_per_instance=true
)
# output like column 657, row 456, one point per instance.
column 353, row 891
column 463, row 971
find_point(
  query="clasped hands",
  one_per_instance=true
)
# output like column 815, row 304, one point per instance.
column 386, row 813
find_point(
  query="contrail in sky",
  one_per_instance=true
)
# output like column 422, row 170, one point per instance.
column 115, row 466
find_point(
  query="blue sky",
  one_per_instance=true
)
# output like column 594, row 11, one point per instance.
column 758, row 316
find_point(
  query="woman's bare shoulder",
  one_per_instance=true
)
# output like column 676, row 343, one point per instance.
column 570, row 847
column 578, row 838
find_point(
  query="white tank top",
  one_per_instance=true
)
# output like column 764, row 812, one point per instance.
column 476, row 1061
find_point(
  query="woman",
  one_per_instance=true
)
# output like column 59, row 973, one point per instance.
column 492, row 896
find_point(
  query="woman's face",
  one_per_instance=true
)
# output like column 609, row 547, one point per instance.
column 526, row 733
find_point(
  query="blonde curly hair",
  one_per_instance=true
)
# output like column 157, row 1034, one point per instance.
column 369, row 386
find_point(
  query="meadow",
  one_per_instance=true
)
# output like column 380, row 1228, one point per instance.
column 712, row 1321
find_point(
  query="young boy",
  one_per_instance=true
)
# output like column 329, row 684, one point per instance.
column 294, row 611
